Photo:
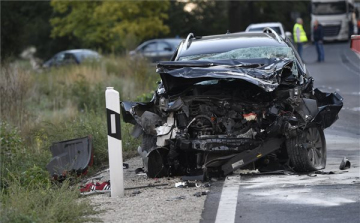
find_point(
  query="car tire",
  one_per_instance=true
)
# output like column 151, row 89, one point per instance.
column 156, row 157
column 307, row 151
column 148, row 142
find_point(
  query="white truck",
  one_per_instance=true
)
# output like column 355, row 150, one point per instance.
column 334, row 16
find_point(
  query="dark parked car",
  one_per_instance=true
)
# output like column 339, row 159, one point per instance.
column 71, row 57
column 233, row 101
column 156, row 50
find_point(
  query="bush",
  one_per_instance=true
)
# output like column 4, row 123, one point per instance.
column 38, row 109
column 15, row 85
column 19, row 160
column 43, row 204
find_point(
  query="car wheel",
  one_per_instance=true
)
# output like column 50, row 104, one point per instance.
column 148, row 142
column 307, row 151
column 155, row 164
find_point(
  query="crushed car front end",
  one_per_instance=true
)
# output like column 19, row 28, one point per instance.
column 215, row 112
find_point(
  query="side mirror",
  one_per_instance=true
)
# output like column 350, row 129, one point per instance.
column 288, row 34
column 355, row 43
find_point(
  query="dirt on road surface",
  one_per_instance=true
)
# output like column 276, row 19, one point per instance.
column 164, row 203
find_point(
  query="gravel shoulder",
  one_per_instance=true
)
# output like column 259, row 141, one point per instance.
column 151, row 204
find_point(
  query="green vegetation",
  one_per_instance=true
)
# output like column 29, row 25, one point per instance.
column 38, row 109
column 109, row 24
column 117, row 26
column 44, row 204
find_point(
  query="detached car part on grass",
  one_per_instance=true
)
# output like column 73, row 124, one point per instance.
column 70, row 156
column 233, row 101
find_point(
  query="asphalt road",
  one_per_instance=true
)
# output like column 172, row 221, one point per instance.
column 305, row 198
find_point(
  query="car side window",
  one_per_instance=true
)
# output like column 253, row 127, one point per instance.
column 69, row 58
column 162, row 46
column 151, row 47
column 60, row 57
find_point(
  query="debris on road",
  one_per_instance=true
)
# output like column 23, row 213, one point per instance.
column 158, row 197
column 146, row 186
column 140, row 172
column 345, row 164
column 92, row 188
column 136, row 192
column 125, row 166
column 199, row 194
column 181, row 184
column 184, row 184
column 176, row 198
column 324, row 172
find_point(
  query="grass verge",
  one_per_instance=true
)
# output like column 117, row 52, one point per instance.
column 37, row 109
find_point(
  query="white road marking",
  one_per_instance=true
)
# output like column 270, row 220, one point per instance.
column 228, row 200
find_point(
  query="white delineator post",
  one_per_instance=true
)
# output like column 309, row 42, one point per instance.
column 112, row 98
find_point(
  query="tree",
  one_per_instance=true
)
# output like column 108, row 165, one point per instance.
column 108, row 25
column 243, row 13
column 205, row 18
column 26, row 23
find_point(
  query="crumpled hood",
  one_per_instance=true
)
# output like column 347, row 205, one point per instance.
column 181, row 75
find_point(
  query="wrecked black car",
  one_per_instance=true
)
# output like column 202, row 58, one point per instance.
column 233, row 101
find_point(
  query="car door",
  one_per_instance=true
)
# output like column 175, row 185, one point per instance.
column 150, row 51
column 59, row 59
column 69, row 58
column 165, row 51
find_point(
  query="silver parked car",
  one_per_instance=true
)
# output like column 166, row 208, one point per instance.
column 156, row 50
column 67, row 57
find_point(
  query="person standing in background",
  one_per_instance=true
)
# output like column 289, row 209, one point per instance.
column 318, row 40
column 299, row 35
column 354, row 21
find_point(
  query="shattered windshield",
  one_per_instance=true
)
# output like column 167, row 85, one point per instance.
column 245, row 53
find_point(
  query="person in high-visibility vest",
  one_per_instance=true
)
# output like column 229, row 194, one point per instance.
column 299, row 35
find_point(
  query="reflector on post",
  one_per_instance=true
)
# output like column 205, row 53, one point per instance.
column 112, row 98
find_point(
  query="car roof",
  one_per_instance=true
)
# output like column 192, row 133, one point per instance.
column 81, row 51
column 227, row 42
column 258, row 25
column 173, row 41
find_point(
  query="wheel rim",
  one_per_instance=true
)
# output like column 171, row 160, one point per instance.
column 316, row 153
